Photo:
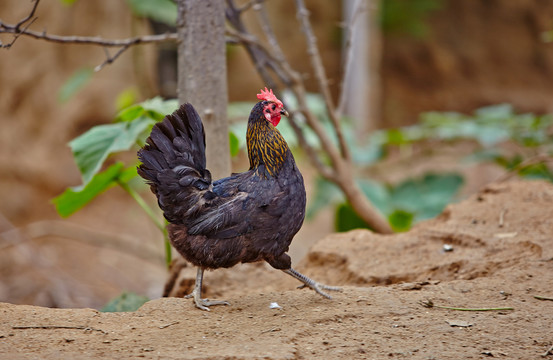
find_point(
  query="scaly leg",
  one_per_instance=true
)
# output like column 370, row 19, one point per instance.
column 311, row 283
column 197, row 293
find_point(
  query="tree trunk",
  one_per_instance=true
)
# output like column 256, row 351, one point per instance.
column 202, row 74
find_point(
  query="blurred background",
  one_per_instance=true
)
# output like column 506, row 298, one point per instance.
column 457, row 95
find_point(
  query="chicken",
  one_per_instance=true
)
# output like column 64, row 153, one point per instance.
column 246, row 217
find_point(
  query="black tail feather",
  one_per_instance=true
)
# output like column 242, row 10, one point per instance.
column 173, row 162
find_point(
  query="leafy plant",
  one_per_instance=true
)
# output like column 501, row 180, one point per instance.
column 93, row 149
column 414, row 200
column 404, row 204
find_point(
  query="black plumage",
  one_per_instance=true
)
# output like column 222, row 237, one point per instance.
column 246, row 217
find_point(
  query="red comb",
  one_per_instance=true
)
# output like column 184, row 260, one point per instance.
column 269, row 96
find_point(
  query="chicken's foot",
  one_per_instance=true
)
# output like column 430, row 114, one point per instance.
column 312, row 283
column 197, row 294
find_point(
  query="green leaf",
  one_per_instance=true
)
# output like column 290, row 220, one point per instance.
column 157, row 108
column 536, row 171
column 130, row 113
column 74, row 199
column 400, row 220
column 346, row 219
column 74, row 84
column 91, row 149
column 127, row 301
column 234, row 144
column 164, row 11
column 126, row 98
column 426, row 197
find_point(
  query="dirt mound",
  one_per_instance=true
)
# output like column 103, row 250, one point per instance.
column 498, row 255
column 501, row 227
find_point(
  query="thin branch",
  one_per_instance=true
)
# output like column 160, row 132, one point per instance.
column 122, row 44
column 21, row 22
column 322, row 80
column 340, row 170
column 88, row 40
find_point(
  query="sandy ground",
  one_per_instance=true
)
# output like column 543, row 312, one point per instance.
column 501, row 257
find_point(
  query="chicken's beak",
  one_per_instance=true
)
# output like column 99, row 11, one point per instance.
column 284, row 112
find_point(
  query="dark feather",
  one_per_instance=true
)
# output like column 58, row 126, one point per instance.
column 246, row 217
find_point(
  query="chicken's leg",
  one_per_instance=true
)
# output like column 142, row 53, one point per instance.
column 312, row 283
column 197, row 293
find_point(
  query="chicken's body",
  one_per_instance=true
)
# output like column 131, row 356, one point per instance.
column 247, row 217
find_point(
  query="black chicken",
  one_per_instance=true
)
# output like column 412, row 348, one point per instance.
column 246, row 217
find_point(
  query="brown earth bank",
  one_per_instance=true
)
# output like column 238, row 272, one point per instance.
column 500, row 256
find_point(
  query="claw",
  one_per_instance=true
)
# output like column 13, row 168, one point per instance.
column 311, row 283
column 197, row 294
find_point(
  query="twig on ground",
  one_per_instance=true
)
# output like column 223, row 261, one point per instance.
column 167, row 325
column 549, row 351
column 543, row 298
column 502, row 217
column 430, row 304
column 85, row 328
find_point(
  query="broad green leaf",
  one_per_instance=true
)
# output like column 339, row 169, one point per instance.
column 74, row 84
column 126, row 98
column 91, row 149
column 400, row 220
column 74, row 199
column 127, row 301
column 495, row 112
column 426, row 197
column 234, row 144
column 346, row 219
column 536, row 171
column 164, row 11
column 157, row 108
column 130, row 113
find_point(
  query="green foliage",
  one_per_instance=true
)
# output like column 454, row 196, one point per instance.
column 91, row 149
column 76, row 82
column 404, row 204
column 346, row 219
column 126, row 302
column 164, row 11
column 73, row 199
column 414, row 200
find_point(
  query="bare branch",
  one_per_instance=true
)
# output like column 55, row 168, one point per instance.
column 313, row 51
column 111, row 59
column 122, row 44
column 340, row 171
column 89, row 40
column 21, row 22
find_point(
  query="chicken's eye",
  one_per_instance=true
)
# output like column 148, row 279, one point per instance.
column 273, row 107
